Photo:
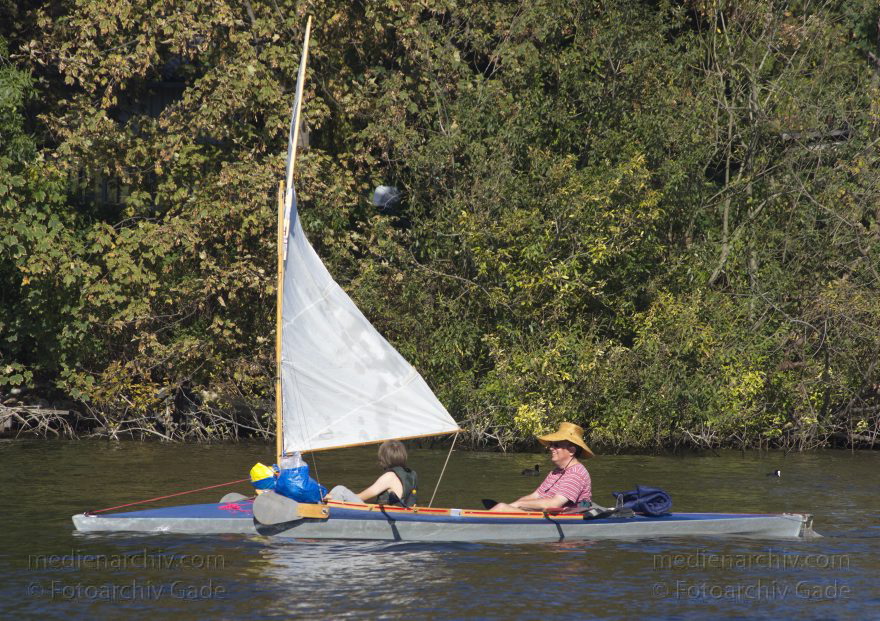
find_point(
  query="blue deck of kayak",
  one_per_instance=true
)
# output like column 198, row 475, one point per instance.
column 243, row 510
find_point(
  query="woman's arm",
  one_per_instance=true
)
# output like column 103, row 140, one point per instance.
column 384, row 483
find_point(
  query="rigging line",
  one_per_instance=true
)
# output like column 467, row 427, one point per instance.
column 315, row 464
column 440, row 478
column 191, row 491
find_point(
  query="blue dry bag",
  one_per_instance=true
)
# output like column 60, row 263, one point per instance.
column 296, row 483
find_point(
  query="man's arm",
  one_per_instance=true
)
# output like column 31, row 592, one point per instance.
column 532, row 502
column 533, row 496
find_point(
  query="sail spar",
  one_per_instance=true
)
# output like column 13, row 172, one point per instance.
column 342, row 383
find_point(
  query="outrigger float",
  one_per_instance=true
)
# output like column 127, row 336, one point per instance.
column 340, row 383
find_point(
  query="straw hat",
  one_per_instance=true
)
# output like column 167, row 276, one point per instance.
column 570, row 432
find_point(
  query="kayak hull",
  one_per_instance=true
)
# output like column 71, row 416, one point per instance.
column 548, row 529
column 384, row 523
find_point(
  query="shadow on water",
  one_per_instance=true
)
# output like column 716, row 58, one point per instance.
column 50, row 571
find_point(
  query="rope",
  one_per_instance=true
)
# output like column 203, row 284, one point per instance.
column 315, row 466
column 141, row 502
column 436, row 487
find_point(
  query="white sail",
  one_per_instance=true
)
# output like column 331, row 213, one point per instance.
column 342, row 383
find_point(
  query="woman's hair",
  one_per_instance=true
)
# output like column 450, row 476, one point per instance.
column 392, row 453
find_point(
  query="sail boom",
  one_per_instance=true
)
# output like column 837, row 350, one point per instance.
column 368, row 443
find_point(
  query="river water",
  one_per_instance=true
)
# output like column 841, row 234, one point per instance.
column 50, row 571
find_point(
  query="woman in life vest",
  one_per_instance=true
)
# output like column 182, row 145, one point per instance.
column 397, row 479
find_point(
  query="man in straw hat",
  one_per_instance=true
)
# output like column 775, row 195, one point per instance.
column 569, row 483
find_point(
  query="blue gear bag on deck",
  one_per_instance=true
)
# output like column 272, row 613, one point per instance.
column 296, row 483
column 647, row 500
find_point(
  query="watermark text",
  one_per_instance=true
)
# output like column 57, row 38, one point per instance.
column 753, row 590
column 134, row 590
column 771, row 559
column 141, row 559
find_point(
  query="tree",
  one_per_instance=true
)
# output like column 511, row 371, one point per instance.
column 657, row 220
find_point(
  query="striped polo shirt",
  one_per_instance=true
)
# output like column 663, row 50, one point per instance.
column 572, row 483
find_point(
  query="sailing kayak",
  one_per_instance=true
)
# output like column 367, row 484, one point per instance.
column 340, row 520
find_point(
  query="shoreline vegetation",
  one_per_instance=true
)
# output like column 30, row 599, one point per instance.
column 187, row 419
column 658, row 220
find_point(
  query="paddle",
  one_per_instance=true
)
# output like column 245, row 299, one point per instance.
column 271, row 508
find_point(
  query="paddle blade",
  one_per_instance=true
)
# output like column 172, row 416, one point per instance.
column 271, row 508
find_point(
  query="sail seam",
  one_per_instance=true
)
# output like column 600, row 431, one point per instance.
column 406, row 382
column 325, row 293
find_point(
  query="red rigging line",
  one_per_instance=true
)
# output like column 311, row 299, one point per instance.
column 141, row 502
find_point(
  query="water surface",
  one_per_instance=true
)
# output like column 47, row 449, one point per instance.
column 50, row 571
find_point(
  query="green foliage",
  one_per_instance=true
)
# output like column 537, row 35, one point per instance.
column 658, row 220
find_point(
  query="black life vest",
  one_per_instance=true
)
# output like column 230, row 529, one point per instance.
column 409, row 480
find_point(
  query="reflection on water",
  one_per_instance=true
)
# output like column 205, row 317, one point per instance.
column 51, row 571
column 355, row 569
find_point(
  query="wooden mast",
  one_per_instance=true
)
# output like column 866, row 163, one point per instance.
column 279, row 298
column 285, row 198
